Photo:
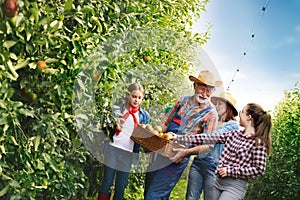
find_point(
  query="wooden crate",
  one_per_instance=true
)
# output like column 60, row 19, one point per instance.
column 153, row 142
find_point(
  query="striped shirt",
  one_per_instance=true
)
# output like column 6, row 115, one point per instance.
column 196, row 117
column 242, row 157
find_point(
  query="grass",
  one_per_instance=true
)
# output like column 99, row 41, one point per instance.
column 178, row 193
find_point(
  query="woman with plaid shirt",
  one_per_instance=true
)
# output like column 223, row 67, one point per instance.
column 244, row 154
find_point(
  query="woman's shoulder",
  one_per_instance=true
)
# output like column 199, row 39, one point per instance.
column 144, row 112
column 232, row 123
column 144, row 116
column 230, row 126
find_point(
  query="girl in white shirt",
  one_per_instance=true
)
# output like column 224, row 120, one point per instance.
column 119, row 154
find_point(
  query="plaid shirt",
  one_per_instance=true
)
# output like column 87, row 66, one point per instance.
column 242, row 157
column 196, row 117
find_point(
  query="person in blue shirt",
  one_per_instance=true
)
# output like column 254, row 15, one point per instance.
column 121, row 152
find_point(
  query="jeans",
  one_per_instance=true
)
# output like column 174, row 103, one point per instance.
column 120, row 184
column 201, row 177
column 117, row 162
column 160, row 183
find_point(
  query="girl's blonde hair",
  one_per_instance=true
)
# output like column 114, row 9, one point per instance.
column 132, row 87
column 262, row 124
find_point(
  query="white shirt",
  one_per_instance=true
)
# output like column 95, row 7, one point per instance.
column 123, row 140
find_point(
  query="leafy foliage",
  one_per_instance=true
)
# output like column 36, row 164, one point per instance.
column 42, row 155
column 282, row 178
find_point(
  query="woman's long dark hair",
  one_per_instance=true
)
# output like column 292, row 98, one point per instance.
column 262, row 124
column 229, row 112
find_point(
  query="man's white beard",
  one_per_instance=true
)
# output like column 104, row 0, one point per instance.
column 201, row 100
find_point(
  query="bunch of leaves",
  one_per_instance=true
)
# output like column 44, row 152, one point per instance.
column 282, row 178
column 36, row 110
column 42, row 155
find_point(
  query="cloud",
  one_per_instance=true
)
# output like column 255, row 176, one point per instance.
column 295, row 75
column 298, row 28
column 265, row 92
column 290, row 40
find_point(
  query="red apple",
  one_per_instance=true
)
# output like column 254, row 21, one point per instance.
column 11, row 8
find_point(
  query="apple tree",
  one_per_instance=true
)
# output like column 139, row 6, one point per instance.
column 44, row 46
column 282, row 180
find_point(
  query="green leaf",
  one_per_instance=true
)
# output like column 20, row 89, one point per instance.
column 95, row 20
column 117, row 8
column 16, row 104
column 46, row 157
column 40, row 165
column 28, row 36
column 3, row 151
column 8, row 28
column 53, row 165
column 51, row 60
column 14, row 184
column 88, row 9
column 2, row 105
column 13, row 140
column 55, row 25
column 5, row 177
column 14, row 74
column 7, row 44
column 77, row 143
column 26, row 112
column 37, row 142
column 20, row 18
column 4, row 191
column 21, row 63
column 35, row 11
column 68, row 5
column 9, row 93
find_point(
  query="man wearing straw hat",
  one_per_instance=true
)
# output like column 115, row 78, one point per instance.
column 202, row 172
column 190, row 115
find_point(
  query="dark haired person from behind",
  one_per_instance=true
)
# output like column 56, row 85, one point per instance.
column 244, row 154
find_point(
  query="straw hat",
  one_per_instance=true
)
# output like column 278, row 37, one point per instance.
column 206, row 77
column 227, row 97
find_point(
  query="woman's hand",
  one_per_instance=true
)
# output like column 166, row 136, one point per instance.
column 222, row 171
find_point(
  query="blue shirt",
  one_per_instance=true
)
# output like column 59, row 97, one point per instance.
column 218, row 148
column 215, row 153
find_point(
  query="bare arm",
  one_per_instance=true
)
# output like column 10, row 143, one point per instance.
column 182, row 153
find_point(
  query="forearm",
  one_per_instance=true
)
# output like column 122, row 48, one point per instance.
column 182, row 153
column 197, row 150
column 190, row 140
column 164, row 128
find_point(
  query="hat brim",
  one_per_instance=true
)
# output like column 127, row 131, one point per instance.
column 194, row 79
column 214, row 101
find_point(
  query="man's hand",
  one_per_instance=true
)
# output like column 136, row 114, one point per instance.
column 179, row 156
column 222, row 171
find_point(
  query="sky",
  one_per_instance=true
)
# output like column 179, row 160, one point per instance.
column 271, row 64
